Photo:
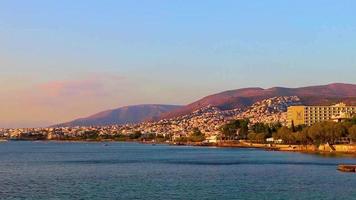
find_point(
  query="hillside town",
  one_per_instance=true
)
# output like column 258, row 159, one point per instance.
column 208, row 120
column 270, row 110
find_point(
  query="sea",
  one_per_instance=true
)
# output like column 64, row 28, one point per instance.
column 117, row 170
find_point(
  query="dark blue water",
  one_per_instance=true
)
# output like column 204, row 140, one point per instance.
column 55, row 170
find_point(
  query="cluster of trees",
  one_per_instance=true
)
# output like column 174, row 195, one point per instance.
column 261, row 131
column 138, row 136
column 236, row 129
column 135, row 136
column 195, row 136
column 241, row 130
column 319, row 133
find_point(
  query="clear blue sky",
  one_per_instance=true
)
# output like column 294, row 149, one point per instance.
column 123, row 52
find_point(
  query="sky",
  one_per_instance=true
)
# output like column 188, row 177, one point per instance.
column 61, row 60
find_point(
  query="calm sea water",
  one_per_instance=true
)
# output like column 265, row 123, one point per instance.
column 56, row 170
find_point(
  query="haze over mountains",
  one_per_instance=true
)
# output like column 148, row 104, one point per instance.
column 240, row 98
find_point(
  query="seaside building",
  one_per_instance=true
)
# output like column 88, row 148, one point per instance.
column 308, row 115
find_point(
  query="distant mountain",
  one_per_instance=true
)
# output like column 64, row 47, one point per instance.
column 243, row 98
column 124, row 115
column 228, row 100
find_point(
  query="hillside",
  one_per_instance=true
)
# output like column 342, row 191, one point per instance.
column 240, row 99
column 243, row 98
column 124, row 115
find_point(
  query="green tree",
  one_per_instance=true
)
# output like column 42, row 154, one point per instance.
column 196, row 136
column 182, row 139
column 352, row 133
column 317, row 134
column 326, row 132
column 243, row 132
column 252, row 136
column 257, row 137
column 260, row 128
column 274, row 127
column 353, row 120
column 148, row 136
column 261, row 137
column 136, row 135
column 120, row 137
column 293, row 127
column 299, row 128
column 302, row 137
column 161, row 138
column 267, row 129
column 286, row 135
column 230, row 130
column 243, row 128
column 335, row 131
column 91, row 135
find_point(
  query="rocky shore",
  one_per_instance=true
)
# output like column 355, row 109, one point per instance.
column 326, row 148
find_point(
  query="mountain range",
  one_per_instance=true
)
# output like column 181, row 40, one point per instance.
column 245, row 97
column 232, row 99
column 123, row 115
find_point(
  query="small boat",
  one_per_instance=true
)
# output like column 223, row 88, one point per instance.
column 347, row 168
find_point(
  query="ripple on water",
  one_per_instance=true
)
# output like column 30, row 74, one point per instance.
column 134, row 171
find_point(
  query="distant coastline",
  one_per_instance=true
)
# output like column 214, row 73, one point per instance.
column 324, row 149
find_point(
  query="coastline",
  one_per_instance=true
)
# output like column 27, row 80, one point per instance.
column 322, row 149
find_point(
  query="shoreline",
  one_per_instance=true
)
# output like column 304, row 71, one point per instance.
column 322, row 149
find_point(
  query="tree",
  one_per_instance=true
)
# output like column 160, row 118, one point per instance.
column 302, row 137
column 299, row 127
column 274, row 127
column 352, row 133
column 353, row 120
column 196, row 136
column 260, row 128
column 182, row 139
column 286, row 135
column 334, row 132
column 261, row 137
column 316, row 133
column 120, row 137
column 252, row 136
column 257, row 137
column 149, row 136
column 349, row 122
column 267, row 129
column 243, row 129
column 135, row 135
column 326, row 132
column 91, row 135
column 243, row 132
column 293, row 127
column 230, row 130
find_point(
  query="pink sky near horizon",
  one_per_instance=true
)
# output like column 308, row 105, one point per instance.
column 43, row 103
column 34, row 102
